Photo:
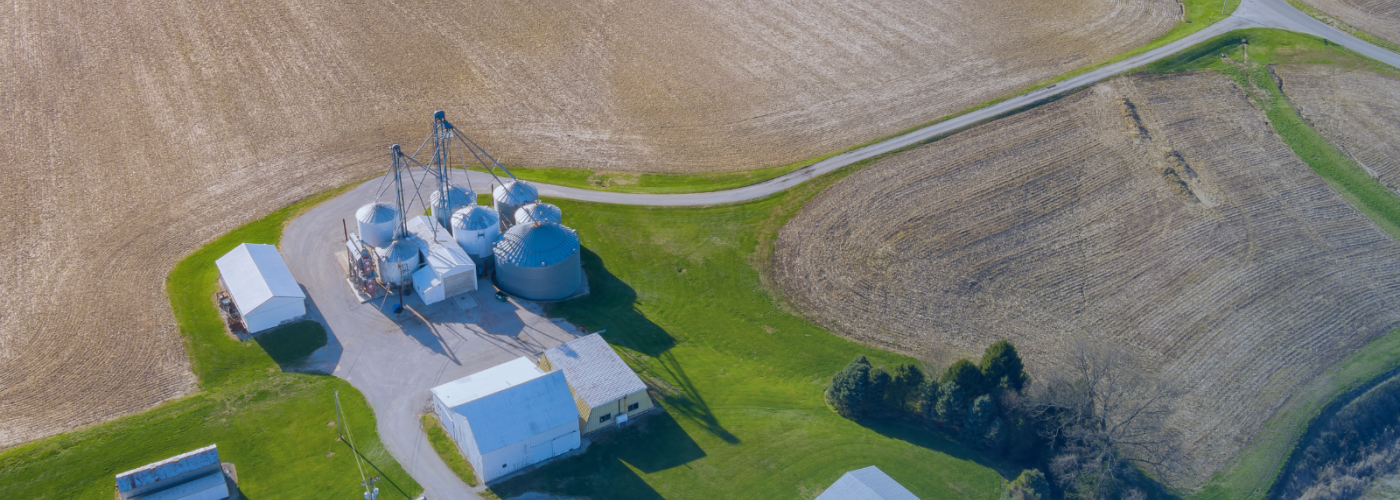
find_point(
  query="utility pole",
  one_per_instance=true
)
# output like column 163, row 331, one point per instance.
column 371, row 491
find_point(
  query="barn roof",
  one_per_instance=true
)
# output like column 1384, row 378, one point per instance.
column 254, row 274
column 869, row 483
column 168, row 469
column 594, row 370
column 510, row 402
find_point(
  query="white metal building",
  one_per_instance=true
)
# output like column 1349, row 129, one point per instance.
column 869, row 483
column 261, row 286
column 508, row 417
column 605, row 389
column 448, row 271
column 196, row 475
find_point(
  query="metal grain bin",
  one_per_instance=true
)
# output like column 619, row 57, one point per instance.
column 539, row 212
column 399, row 260
column 512, row 195
column 538, row 261
column 477, row 229
column 457, row 197
column 376, row 223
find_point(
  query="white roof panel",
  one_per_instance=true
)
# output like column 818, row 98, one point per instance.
column 869, row 483
column 443, row 254
column 510, row 402
column 594, row 370
column 254, row 274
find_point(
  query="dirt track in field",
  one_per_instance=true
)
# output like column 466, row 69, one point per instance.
column 1161, row 214
column 1377, row 17
column 134, row 132
column 1357, row 111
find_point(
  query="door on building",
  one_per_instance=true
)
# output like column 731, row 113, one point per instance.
column 540, row 453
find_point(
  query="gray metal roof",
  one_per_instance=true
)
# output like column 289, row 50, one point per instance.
column 169, row 468
column 475, row 218
column 594, row 370
column 254, row 274
column 510, row 402
column 458, row 196
column 515, row 193
column 536, row 245
column 539, row 212
column 376, row 213
column 869, row 483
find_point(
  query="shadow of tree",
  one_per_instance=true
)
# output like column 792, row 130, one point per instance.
column 924, row 437
column 603, row 471
column 611, row 306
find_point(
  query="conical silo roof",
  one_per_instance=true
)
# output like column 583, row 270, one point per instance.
column 539, row 212
column 536, row 245
column 475, row 217
column 376, row 213
column 514, row 192
column 457, row 196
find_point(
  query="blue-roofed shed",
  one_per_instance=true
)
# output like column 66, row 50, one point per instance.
column 869, row 483
column 189, row 476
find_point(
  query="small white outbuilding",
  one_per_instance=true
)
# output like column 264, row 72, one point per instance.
column 509, row 417
column 261, row 286
column 449, row 271
column 869, row 483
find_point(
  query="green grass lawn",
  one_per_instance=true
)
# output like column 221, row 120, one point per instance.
column 680, row 292
column 1259, row 464
column 445, row 448
column 270, row 424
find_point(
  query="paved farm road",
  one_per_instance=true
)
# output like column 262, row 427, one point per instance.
column 397, row 414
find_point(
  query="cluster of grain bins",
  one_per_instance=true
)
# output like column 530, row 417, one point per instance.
column 518, row 414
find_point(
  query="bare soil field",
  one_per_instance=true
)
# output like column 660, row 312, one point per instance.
column 133, row 132
column 1158, row 213
column 1357, row 111
column 1377, row 17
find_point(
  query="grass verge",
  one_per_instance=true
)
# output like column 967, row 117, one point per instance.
column 272, row 425
column 447, row 450
column 1337, row 23
column 677, row 290
column 1258, row 466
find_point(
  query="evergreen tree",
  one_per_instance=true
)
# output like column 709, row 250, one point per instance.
column 967, row 375
column 1030, row 485
column 928, row 399
column 876, row 392
column 952, row 405
column 1001, row 364
column 847, row 390
column 908, row 379
column 978, row 421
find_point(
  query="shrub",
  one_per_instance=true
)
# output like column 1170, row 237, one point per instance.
column 848, row 387
column 1030, row 485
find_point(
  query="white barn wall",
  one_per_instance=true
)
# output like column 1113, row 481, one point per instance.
column 517, row 455
column 275, row 311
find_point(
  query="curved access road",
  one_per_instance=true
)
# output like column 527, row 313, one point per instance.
column 1250, row 14
column 395, row 383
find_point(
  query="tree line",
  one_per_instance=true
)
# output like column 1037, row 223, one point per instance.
column 1095, row 429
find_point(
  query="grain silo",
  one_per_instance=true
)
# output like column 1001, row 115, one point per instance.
column 538, row 261
column 477, row 229
column 377, row 223
column 399, row 260
column 457, row 197
column 539, row 212
column 512, row 195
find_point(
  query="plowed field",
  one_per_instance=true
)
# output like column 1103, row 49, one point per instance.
column 1377, row 17
column 1162, row 214
column 1357, row 111
column 134, row 131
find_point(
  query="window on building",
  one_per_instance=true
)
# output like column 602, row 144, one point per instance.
column 606, row 417
column 634, row 406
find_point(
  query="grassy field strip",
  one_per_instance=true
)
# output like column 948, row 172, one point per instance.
column 741, row 379
column 1261, row 462
column 272, row 425
column 1337, row 23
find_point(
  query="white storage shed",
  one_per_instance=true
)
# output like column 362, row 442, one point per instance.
column 448, row 271
column 605, row 389
column 869, row 483
column 261, row 286
column 509, row 417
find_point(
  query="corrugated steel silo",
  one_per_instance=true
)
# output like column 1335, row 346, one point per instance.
column 539, row 212
column 457, row 197
column 538, row 261
column 477, row 229
column 377, row 223
column 399, row 260
column 512, row 195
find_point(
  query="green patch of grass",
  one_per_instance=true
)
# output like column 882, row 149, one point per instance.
column 1256, row 468
column 447, row 450
column 630, row 182
column 270, row 424
column 679, row 291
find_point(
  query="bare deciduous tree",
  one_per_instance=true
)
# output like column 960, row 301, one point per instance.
column 1105, row 414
